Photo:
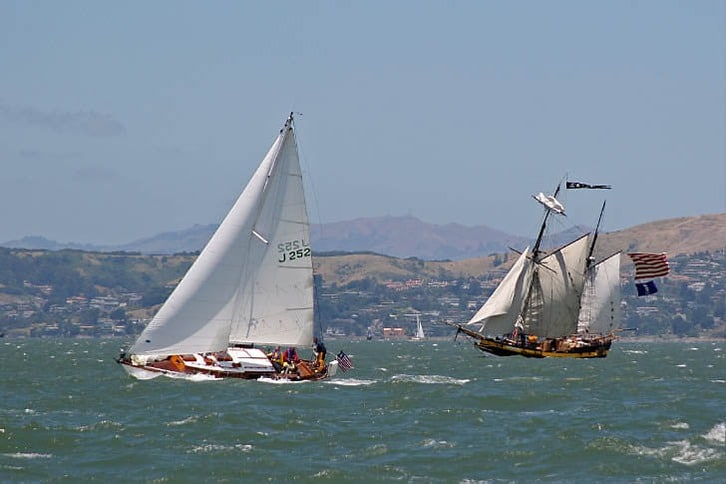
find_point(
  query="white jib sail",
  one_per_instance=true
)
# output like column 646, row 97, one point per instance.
column 500, row 311
column 198, row 315
column 555, row 302
column 600, row 311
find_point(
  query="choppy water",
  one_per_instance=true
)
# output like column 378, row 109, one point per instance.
column 411, row 412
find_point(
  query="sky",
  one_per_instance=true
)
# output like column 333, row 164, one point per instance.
column 122, row 120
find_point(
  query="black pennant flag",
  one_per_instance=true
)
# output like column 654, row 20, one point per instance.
column 572, row 185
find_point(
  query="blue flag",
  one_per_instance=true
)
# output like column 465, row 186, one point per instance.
column 646, row 288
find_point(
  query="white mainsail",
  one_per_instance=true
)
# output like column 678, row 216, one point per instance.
column 245, row 286
column 275, row 303
column 600, row 311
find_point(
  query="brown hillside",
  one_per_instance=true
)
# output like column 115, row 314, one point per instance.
column 687, row 235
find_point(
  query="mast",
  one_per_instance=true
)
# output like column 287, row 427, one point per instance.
column 588, row 261
column 535, row 250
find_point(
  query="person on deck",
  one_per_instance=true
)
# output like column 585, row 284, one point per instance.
column 319, row 351
column 289, row 358
column 518, row 334
column 276, row 358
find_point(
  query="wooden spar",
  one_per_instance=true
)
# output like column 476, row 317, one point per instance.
column 535, row 250
column 594, row 237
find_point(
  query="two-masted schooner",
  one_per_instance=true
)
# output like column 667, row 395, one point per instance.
column 251, row 288
column 552, row 304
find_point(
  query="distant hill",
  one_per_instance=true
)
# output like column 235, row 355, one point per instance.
column 408, row 236
column 396, row 236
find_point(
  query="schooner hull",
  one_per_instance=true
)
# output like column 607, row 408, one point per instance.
column 566, row 347
column 593, row 349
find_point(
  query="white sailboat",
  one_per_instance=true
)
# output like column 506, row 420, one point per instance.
column 251, row 286
column 557, row 304
column 419, row 330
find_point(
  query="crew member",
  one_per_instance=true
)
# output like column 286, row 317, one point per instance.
column 319, row 351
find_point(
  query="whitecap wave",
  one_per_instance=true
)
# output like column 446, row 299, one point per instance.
column 682, row 452
column 28, row 455
column 184, row 421
column 103, row 424
column 351, row 382
column 717, row 434
column 193, row 377
column 436, row 444
column 281, row 381
column 689, row 454
column 212, row 448
column 428, row 379
column 680, row 426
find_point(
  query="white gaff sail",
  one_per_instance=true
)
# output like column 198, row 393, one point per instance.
column 600, row 311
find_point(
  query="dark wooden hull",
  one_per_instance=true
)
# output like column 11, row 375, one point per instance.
column 594, row 348
column 574, row 346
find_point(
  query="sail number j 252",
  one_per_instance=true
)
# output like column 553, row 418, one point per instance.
column 291, row 250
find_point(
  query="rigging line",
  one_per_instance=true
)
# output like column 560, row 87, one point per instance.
column 303, row 163
column 311, row 181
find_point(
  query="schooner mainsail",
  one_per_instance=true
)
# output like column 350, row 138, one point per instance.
column 552, row 304
column 251, row 285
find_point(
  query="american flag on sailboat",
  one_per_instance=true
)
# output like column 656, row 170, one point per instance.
column 344, row 361
column 648, row 266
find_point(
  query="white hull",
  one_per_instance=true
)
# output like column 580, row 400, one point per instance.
column 140, row 373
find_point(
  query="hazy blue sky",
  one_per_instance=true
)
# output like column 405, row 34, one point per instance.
column 120, row 120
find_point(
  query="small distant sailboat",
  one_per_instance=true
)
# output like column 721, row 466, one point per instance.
column 251, row 286
column 419, row 330
column 557, row 304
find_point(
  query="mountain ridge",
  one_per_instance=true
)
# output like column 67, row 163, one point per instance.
column 409, row 237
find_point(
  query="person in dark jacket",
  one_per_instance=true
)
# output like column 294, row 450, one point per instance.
column 319, row 351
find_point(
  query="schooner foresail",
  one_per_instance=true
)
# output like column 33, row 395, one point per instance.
column 251, row 285
column 552, row 304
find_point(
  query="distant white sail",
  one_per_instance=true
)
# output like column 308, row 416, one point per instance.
column 419, row 329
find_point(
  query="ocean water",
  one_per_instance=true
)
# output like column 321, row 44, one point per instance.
column 409, row 412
